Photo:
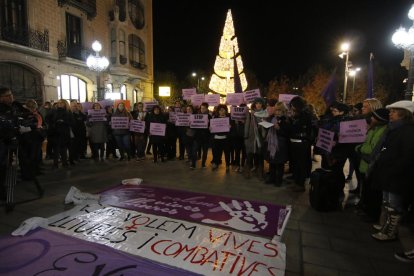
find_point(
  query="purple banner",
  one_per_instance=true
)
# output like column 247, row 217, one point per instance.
column 43, row 252
column 259, row 218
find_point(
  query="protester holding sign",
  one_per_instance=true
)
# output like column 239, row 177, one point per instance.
column 201, row 138
column 121, row 133
column 157, row 142
column 238, row 149
column 97, row 134
column 189, row 134
column 139, row 139
column 221, row 140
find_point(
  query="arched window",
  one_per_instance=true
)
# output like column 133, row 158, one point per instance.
column 122, row 10
column 123, row 91
column 113, row 46
column 136, row 51
column 72, row 88
column 136, row 12
column 122, row 49
column 110, row 94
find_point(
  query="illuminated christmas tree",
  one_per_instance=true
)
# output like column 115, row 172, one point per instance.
column 222, row 80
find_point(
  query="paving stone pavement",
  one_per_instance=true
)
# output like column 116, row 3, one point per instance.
column 334, row 243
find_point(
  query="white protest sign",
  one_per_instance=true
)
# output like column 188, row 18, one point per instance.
column 197, row 100
column 250, row 95
column 325, row 139
column 120, row 122
column 149, row 105
column 212, row 99
column 137, row 126
column 190, row 246
column 286, row 98
column 354, row 131
column 188, row 92
column 199, row 121
column 97, row 115
column 234, row 98
column 157, row 129
column 238, row 113
column 220, row 125
column 182, row 119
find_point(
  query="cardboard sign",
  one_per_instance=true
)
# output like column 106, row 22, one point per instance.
column 183, row 119
column 120, row 122
column 250, row 95
column 212, row 99
column 194, row 247
column 137, row 126
column 198, row 120
column 157, row 129
column 220, row 125
column 238, row 113
column 325, row 139
column 354, row 131
column 286, row 98
column 235, row 99
column 149, row 105
column 197, row 100
column 188, row 92
column 97, row 115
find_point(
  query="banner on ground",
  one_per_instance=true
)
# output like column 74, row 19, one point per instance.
column 193, row 247
column 325, row 139
column 250, row 95
column 259, row 218
column 354, row 131
column 119, row 122
column 137, row 126
column 238, row 113
column 198, row 120
column 97, row 115
column 45, row 252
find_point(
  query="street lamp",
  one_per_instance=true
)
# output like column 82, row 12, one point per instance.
column 345, row 53
column 405, row 40
column 353, row 73
column 194, row 75
column 97, row 64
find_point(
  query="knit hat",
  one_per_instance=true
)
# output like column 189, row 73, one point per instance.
column 381, row 114
column 407, row 105
column 260, row 100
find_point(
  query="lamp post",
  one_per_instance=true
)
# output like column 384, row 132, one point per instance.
column 194, row 75
column 345, row 53
column 97, row 64
column 404, row 39
column 353, row 73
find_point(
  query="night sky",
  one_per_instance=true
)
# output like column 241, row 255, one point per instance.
column 276, row 39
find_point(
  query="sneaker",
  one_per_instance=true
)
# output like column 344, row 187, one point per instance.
column 407, row 256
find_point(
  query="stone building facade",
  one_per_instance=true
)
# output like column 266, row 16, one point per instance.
column 44, row 45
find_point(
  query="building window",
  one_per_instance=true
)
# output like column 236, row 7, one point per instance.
column 110, row 94
column 113, row 46
column 123, row 92
column 74, row 36
column 13, row 20
column 72, row 88
column 136, row 13
column 136, row 51
column 122, row 49
column 122, row 9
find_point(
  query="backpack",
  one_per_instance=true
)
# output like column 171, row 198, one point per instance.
column 326, row 187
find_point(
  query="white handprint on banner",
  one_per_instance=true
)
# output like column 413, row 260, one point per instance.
column 243, row 218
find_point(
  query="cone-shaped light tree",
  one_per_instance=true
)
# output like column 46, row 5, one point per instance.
column 222, row 80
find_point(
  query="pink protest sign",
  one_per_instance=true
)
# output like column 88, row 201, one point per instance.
column 197, row 99
column 182, row 119
column 286, row 98
column 137, row 126
column 212, row 99
column 234, row 99
column 188, row 92
column 238, row 113
column 250, row 95
column 106, row 102
column 199, row 120
column 149, row 105
column 325, row 139
column 220, row 125
column 86, row 106
column 120, row 122
column 97, row 115
column 157, row 129
column 352, row 131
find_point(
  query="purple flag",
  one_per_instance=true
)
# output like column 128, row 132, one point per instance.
column 329, row 92
column 237, row 83
column 370, row 90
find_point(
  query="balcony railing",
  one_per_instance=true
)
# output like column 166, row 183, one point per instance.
column 27, row 37
column 76, row 52
column 138, row 65
column 87, row 6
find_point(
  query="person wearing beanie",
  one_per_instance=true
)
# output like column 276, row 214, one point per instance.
column 392, row 170
column 370, row 200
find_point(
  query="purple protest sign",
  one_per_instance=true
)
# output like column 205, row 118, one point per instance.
column 212, row 99
column 44, row 252
column 120, row 122
column 149, row 105
column 157, row 129
column 188, row 92
column 238, row 113
column 325, row 139
column 182, row 119
column 198, row 120
column 97, row 115
column 260, row 218
column 86, row 106
column 250, row 95
column 137, row 126
column 354, row 131
column 286, row 98
column 234, row 98
column 197, row 99
column 220, row 125
column 106, row 102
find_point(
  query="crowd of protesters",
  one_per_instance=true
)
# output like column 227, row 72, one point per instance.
column 271, row 139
